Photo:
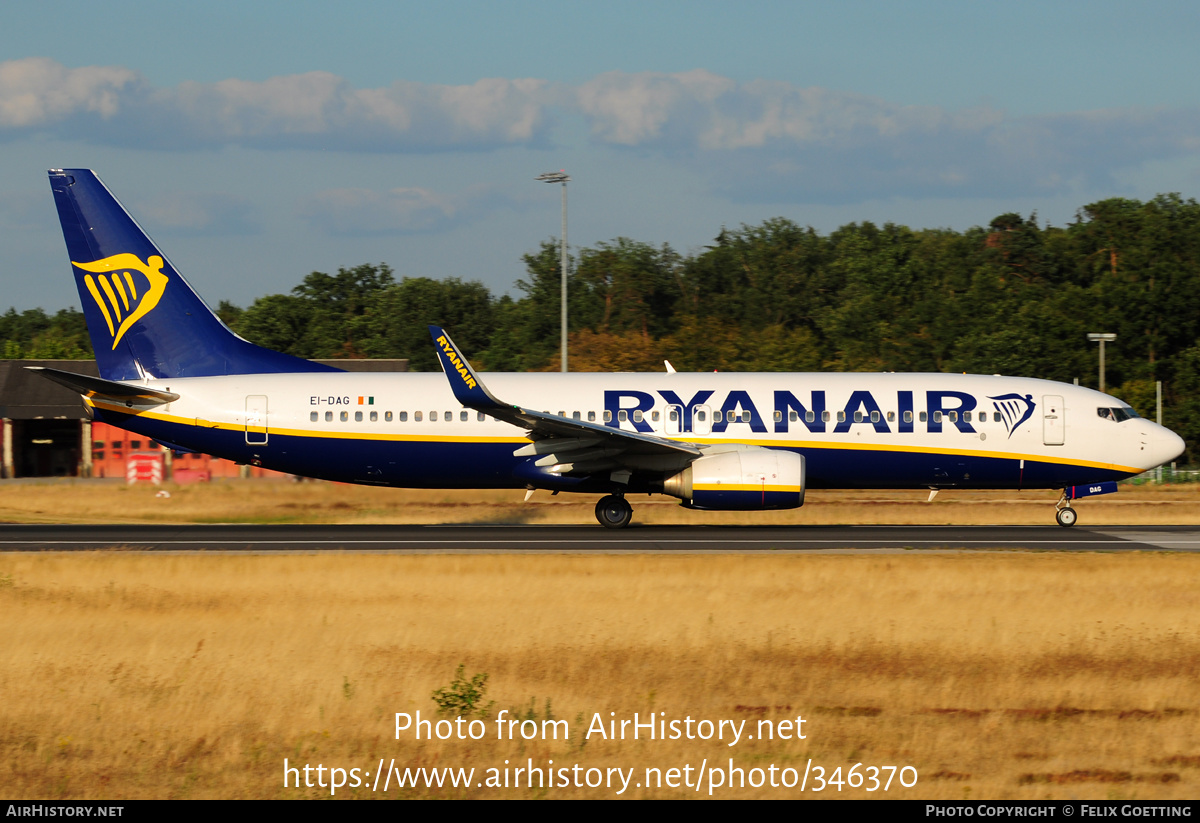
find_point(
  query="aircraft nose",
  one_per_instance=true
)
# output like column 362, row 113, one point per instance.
column 1165, row 446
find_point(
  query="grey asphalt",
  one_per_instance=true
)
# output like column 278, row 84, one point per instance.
column 592, row 538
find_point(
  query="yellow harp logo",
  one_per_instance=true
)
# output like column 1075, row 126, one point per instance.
column 122, row 299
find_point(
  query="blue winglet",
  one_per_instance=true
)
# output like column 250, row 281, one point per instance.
column 463, row 380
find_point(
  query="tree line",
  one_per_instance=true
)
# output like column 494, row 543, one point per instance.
column 1014, row 297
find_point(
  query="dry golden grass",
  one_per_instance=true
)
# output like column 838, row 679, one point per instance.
column 259, row 501
column 999, row 675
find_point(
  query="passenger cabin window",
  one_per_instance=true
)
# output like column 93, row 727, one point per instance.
column 464, row 416
column 924, row 416
column 358, row 417
column 638, row 416
column 607, row 416
column 810, row 417
column 416, row 417
column 374, row 417
column 966, row 417
column 313, row 416
column 344, row 416
column 387, row 416
column 937, row 417
column 479, row 416
column 874, row 417
column 858, row 417
column 622, row 416
column 329, row 417
column 433, row 417
column 792, row 416
column 745, row 417
column 841, row 417
column 654, row 415
column 576, row 416
column 448, row 417
column 824, row 417
column 701, row 415
column 953, row 417
column 591, row 417
column 908, row 417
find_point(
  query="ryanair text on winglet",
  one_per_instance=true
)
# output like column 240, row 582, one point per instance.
column 456, row 361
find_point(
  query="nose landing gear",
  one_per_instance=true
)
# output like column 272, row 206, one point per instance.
column 1065, row 515
column 614, row 512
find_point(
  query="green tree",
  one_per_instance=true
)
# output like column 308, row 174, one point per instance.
column 396, row 324
column 34, row 335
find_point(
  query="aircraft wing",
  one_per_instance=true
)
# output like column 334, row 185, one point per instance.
column 584, row 443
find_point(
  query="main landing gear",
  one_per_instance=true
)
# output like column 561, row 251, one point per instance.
column 614, row 512
column 1066, row 515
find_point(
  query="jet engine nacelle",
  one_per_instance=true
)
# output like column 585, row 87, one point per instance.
column 748, row 479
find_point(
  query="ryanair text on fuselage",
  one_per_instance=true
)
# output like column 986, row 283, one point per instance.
column 941, row 407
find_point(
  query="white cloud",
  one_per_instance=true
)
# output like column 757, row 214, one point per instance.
column 764, row 141
column 770, row 141
column 113, row 105
column 704, row 111
column 38, row 91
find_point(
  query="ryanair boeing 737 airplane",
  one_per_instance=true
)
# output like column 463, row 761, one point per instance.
column 172, row 371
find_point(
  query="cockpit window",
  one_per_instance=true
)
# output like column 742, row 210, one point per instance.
column 1117, row 414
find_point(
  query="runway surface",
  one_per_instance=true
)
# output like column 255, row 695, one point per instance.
column 644, row 539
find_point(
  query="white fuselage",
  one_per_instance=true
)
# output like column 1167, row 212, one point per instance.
column 856, row 430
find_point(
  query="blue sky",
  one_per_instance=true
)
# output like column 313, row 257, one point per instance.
column 258, row 142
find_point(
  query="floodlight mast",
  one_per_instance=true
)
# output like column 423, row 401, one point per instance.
column 1101, row 338
column 561, row 177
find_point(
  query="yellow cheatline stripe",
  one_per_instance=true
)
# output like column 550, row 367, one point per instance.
column 783, row 444
column 330, row 435
column 91, row 284
column 817, row 444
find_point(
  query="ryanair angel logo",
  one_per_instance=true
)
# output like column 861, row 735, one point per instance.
column 1014, row 409
column 122, row 299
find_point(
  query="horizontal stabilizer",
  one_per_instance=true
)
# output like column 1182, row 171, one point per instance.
column 175, row 447
column 95, row 387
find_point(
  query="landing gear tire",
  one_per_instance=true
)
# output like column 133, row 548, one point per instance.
column 1066, row 516
column 614, row 512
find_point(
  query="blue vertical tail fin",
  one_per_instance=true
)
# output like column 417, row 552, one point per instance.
column 143, row 317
